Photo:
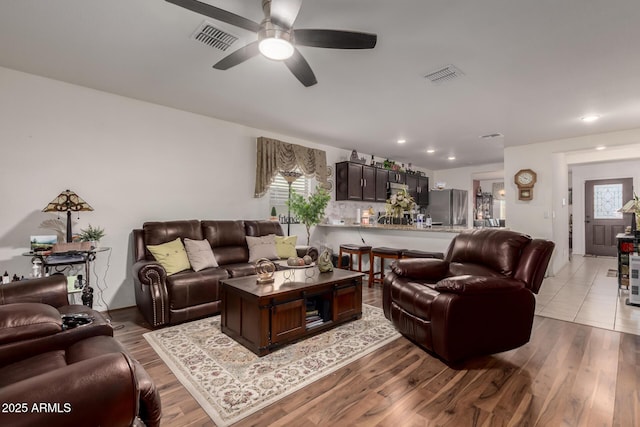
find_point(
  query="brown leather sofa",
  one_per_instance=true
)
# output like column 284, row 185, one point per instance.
column 478, row 300
column 188, row 295
column 57, row 375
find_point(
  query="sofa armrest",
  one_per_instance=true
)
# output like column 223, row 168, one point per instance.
column 25, row 321
column 431, row 269
column 50, row 290
column 101, row 389
column 149, row 272
column 478, row 285
column 152, row 298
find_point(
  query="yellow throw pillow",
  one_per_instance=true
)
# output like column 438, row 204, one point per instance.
column 286, row 246
column 171, row 255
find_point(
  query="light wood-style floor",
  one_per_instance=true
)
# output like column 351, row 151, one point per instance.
column 567, row 375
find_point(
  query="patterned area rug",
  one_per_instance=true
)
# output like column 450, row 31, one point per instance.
column 230, row 382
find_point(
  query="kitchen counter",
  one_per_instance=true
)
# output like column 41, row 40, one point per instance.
column 435, row 228
column 435, row 239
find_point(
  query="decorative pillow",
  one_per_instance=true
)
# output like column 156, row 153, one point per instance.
column 286, row 246
column 171, row 255
column 200, row 254
column 262, row 247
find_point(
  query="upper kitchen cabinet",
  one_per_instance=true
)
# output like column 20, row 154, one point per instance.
column 418, row 188
column 397, row 177
column 355, row 181
column 382, row 185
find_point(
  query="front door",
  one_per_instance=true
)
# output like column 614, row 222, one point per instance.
column 603, row 199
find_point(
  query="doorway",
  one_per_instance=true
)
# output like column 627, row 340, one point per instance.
column 602, row 221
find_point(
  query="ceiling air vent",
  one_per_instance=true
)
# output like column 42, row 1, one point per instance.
column 444, row 74
column 214, row 37
column 491, row 136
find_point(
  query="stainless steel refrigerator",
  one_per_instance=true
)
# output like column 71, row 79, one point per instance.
column 448, row 207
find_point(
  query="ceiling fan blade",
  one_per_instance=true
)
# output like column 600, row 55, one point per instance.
column 285, row 12
column 237, row 57
column 301, row 69
column 335, row 39
column 217, row 13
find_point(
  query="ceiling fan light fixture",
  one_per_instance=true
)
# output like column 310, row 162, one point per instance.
column 275, row 42
column 275, row 48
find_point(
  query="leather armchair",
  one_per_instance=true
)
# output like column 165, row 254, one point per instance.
column 478, row 300
column 50, row 294
column 73, row 376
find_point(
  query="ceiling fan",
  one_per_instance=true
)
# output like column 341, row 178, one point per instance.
column 277, row 39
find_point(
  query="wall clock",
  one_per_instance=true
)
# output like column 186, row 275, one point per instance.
column 525, row 179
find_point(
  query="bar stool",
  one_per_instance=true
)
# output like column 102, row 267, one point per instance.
column 382, row 253
column 352, row 250
column 421, row 254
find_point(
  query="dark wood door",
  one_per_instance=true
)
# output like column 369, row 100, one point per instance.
column 382, row 182
column 397, row 177
column 348, row 181
column 369, row 183
column 603, row 198
column 412, row 186
column 287, row 321
column 423, row 191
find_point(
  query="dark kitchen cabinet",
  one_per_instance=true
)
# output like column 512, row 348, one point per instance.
column 397, row 177
column 423, row 191
column 355, row 181
column 418, row 188
column 382, row 186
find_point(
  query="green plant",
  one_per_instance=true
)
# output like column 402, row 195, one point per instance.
column 273, row 211
column 309, row 212
column 91, row 234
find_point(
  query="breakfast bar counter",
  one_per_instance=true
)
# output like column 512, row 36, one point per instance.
column 434, row 239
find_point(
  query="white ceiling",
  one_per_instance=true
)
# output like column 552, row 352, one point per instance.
column 532, row 69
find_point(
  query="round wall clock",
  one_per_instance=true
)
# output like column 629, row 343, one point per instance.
column 525, row 179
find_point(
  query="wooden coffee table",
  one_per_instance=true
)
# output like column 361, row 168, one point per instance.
column 297, row 304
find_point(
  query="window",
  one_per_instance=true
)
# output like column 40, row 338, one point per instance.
column 607, row 200
column 279, row 190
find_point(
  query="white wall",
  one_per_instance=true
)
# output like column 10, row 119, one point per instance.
column 462, row 179
column 545, row 216
column 132, row 161
column 593, row 171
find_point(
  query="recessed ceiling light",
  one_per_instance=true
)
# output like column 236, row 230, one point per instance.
column 431, row 151
column 590, row 118
column 402, row 141
column 451, row 157
column 600, row 147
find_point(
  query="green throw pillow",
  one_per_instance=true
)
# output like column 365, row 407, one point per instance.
column 286, row 246
column 171, row 255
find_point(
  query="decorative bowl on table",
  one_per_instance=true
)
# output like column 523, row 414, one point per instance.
column 265, row 269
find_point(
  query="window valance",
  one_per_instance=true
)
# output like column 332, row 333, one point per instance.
column 274, row 156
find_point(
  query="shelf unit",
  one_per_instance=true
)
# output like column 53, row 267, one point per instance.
column 628, row 244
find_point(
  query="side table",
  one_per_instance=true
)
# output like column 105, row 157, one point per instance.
column 60, row 261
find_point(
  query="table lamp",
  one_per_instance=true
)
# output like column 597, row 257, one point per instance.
column 67, row 201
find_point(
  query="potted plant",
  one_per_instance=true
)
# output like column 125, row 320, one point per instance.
column 91, row 234
column 309, row 212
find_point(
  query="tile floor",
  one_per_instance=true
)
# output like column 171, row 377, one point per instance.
column 582, row 293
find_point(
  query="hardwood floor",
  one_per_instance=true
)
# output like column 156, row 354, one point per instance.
column 567, row 375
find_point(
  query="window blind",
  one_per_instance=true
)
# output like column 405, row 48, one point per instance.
column 279, row 190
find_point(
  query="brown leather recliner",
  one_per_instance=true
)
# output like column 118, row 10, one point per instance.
column 56, row 375
column 478, row 300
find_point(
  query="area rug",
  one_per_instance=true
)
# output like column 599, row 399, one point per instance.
column 230, row 382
